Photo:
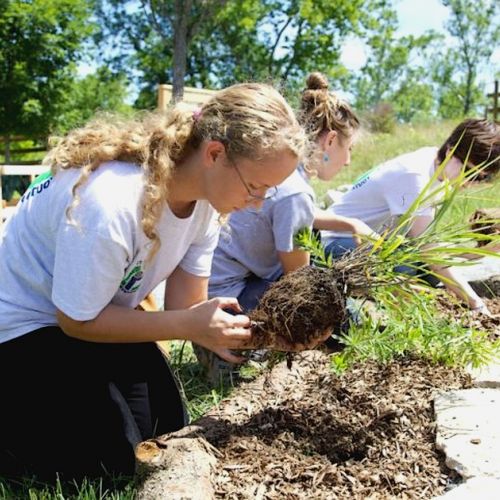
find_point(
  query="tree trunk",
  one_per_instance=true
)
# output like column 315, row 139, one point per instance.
column 183, row 8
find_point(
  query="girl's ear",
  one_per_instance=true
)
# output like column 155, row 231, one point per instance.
column 329, row 139
column 212, row 150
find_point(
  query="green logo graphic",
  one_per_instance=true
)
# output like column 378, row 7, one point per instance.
column 131, row 282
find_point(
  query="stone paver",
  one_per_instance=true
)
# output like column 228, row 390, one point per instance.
column 487, row 376
column 477, row 488
column 467, row 431
column 483, row 269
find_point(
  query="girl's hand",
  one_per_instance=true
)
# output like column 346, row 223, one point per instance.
column 481, row 308
column 220, row 331
column 359, row 228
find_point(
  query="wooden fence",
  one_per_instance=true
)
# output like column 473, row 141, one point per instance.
column 31, row 170
column 493, row 110
column 192, row 96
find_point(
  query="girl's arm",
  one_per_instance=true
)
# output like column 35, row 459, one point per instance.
column 290, row 261
column 453, row 280
column 326, row 220
column 205, row 323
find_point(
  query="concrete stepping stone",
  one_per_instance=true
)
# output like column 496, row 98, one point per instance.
column 486, row 376
column 476, row 488
column 467, row 431
column 483, row 269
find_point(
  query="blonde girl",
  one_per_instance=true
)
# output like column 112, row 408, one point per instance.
column 125, row 206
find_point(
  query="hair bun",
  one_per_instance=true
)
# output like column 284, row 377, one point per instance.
column 317, row 81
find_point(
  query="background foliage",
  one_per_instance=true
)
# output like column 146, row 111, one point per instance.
column 130, row 46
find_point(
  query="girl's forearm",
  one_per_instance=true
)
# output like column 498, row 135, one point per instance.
column 458, row 285
column 116, row 324
column 325, row 220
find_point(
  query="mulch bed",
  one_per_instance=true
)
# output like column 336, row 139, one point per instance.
column 478, row 321
column 306, row 433
column 367, row 434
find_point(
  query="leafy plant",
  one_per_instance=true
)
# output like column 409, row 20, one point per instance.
column 412, row 322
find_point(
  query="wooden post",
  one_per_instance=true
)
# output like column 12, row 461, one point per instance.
column 163, row 97
column 494, row 108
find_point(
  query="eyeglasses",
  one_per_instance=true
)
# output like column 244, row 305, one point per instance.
column 270, row 191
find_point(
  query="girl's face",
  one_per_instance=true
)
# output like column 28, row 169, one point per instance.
column 234, row 185
column 453, row 168
column 334, row 153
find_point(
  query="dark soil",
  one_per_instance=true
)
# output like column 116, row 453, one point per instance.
column 301, row 307
column 367, row 434
column 486, row 222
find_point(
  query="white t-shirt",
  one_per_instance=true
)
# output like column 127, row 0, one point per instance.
column 250, row 242
column 380, row 196
column 47, row 263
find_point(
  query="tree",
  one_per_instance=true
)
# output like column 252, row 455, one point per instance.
column 40, row 42
column 185, row 19
column 392, row 72
column 102, row 91
column 277, row 40
column 474, row 25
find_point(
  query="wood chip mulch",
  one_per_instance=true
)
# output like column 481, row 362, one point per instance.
column 368, row 434
column 477, row 321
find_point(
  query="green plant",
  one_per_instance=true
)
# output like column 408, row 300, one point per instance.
column 412, row 321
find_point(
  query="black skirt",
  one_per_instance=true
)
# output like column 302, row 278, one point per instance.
column 79, row 409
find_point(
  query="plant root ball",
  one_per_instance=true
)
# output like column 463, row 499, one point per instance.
column 299, row 307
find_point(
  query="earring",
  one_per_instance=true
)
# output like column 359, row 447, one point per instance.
column 326, row 157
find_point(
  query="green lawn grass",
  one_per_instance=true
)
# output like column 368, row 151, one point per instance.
column 370, row 150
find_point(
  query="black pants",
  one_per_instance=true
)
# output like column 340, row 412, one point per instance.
column 80, row 408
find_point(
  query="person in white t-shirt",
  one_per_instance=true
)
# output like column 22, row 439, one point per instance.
column 380, row 196
column 125, row 206
column 257, row 246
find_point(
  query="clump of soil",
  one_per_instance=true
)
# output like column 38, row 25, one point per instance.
column 301, row 307
column 486, row 221
column 367, row 434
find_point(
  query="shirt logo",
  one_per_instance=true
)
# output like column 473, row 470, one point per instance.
column 131, row 282
column 37, row 186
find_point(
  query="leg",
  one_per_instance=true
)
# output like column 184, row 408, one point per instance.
column 339, row 247
column 83, row 407
column 255, row 288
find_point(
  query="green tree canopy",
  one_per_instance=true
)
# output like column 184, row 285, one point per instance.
column 40, row 42
column 395, row 70
column 474, row 24
column 278, row 40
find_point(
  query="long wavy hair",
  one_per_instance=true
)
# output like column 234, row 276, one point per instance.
column 252, row 121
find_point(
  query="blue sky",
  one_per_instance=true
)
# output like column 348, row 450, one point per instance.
column 415, row 17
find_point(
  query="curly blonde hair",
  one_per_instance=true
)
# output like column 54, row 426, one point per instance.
column 322, row 110
column 252, row 121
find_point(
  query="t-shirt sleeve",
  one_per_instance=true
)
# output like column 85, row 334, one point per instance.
column 401, row 191
column 198, row 258
column 291, row 214
column 88, row 268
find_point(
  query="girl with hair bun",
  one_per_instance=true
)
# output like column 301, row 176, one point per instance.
column 257, row 246
column 125, row 206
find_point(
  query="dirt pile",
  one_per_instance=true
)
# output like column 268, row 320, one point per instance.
column 301, row 307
